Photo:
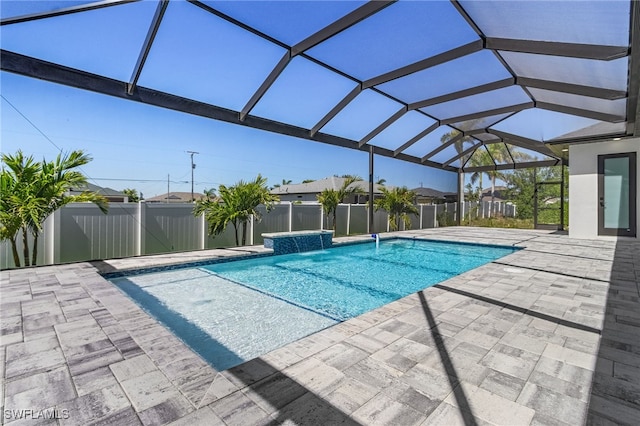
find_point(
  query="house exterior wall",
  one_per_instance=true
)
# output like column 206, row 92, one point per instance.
column 313, row 197
column 583, row 183
column 298, row 197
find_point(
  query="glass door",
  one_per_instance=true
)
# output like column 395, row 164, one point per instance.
column 617, row 194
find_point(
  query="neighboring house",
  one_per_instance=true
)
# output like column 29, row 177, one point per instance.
column 174, row 197
column 308, row 192
column 499, row 194
column 111, row 195
column 429, row 196
column 433, row 196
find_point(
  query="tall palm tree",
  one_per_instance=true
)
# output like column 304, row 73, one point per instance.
column 36, row 190
column 235, row 204
column 398, row 202
column 499, row 153
column 459, row 144
column 330, row 198
column 480, row 157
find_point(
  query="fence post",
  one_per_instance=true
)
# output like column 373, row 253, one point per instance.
column 203, row 232
column 290, row 216
column 139, row 240
column 321, row 217
column 52, row 226
column 421, row 206
column 348, row 218
column 251, row 221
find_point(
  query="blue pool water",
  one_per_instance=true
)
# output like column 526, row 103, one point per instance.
column 347, row 281
column 235, row 311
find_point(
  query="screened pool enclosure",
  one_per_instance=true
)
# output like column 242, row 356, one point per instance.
column 462, row 86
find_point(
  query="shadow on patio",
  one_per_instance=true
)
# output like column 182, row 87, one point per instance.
column 615, row 390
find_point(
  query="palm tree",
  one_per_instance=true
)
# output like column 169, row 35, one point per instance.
column 132, row 195
column 17, row 202
column 381, row 182
column 398, row 202
column 459, row 144
column 499, row 153
column 235, row 204
column 284, row 182
column 330, row 198
column 480, row 157
column 37, row 189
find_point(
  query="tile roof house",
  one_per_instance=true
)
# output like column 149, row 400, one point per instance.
column 307, row 192
column 174, row 197
column 429, row 196
column 111, row 195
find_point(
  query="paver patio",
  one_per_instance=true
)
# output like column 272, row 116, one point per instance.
column 547, row 335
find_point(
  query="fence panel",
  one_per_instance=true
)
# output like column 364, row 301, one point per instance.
column 225, row 239
column 86, row 233
column 170, row 227
column 306, row 217
column 341, row 220
column 415, row 220
column 81, row 232
column 428, row 217
column 359, row 219
column 380, row 221
column 6, row 255
column 276, row 220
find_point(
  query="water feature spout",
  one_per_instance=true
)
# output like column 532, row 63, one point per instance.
column 377, row 237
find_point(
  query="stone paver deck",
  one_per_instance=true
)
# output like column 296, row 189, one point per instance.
column 547, row 335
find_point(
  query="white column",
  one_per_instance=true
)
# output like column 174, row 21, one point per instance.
column 348, row 218
column 420, row 225
column 140, row 234
column 251, row 230
column 321, row 217
column 290, row 216
column 203, row 231
column 50, row 235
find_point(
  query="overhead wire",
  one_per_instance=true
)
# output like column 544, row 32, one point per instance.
column 84, row 173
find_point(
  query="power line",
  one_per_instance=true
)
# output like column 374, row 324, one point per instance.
column 80, row 168
column 32, row 124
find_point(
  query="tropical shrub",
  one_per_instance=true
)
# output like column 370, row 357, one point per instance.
column 32, row 190
column 330, row 198
column 398, row 202
column 235, row 204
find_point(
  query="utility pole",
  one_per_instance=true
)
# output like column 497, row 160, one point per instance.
column 193, row 166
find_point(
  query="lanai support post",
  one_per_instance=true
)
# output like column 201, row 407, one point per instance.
column 371, row 230
column 460, row 197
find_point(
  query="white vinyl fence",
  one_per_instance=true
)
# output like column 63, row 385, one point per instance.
column 79, row 232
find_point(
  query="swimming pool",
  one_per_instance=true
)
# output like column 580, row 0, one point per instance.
column 235, row 311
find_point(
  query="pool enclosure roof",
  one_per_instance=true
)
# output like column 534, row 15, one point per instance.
column 458, row 85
